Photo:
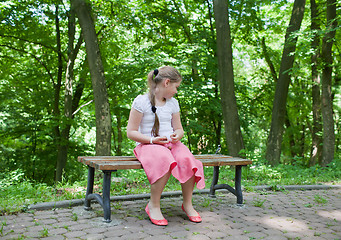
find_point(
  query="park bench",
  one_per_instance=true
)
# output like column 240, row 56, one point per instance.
column 109, row 164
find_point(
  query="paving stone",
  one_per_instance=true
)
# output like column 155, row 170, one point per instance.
column 139, row 235
column 57, row 237
column 74, row 234
column 256, row 235
column 57, row 231
column 235, row 232
column 331, row 236
column 33, row 234
column 253, row 229
column 48, row 221
column 25, row 223
column 161, row 237
column 216, row 235
column 336, row 228
column 116, row 233
column 311, row 238
column 272, row 232
column 95, row 230
column 13, row 236
column 181, row 234
column 275, row 237
column 79, row 227
column 95, row 236
column 66, row 223
column 197, row 237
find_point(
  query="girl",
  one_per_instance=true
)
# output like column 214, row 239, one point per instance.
column 154, row 123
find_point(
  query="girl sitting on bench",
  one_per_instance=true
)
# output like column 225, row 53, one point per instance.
column 154, row 123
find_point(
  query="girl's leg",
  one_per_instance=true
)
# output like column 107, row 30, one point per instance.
column 155, row 197
column 187, row 193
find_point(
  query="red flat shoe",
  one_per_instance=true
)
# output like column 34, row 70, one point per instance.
column 162, row 222
column 196, row 219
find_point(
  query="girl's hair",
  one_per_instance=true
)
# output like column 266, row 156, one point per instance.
column 154, row 78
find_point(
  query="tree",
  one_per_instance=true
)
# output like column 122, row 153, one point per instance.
column 273, row 151
column 71, row 98
column 327, row 102
column 226, row 77
column 316, row 148
column 103, row 118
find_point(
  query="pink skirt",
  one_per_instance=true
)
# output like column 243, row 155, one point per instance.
column 157, row 160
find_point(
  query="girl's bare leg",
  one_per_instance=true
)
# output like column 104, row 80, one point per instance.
column 156, row 190
column 187, row 193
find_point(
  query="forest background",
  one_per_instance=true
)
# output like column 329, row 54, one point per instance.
column 47, row 107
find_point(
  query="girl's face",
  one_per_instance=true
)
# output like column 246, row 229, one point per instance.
column 171, row 88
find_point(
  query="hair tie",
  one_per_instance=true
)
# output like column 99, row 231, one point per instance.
column 153, row 109
column 156, row 72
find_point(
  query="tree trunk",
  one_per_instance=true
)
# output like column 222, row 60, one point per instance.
column 119, row 139
column 273, row 151
column 57, row 87
column 226, row 77
column 218, row 121
column 316, row 151
column 69, row 103
column 103, row 119
column 58, row 84
column 268, row 60
column 327, row 102
column 119, row 135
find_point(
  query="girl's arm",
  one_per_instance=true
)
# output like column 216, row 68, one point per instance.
column 133, row 133
column 177, row 126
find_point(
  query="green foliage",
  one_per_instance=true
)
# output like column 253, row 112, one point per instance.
column 18, row 192
column 259, row 174
column 136, row 37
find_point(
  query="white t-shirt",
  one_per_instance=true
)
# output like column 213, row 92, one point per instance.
column 142, row 104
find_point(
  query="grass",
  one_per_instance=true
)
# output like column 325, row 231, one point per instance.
column 319, row 199
column 44, row 233
column 258, row 202
column 17, row 192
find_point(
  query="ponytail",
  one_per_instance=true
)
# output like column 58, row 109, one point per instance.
column 152, row 82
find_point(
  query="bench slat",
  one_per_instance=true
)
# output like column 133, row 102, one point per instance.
column 226, row 162
column 111, row 163
column 117, row 165
column 87, row 159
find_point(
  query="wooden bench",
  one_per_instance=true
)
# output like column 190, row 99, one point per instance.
column 109, row 164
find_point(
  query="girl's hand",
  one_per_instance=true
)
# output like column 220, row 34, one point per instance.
column 160, row 140
column 175, row 137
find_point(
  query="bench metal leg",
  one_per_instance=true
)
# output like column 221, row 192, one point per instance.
column 238, row 184
column 237, row 191
column 103, row 200
column 106, row 196
column 214, row 181
column 90, row 188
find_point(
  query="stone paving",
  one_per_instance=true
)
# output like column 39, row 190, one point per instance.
column 269, row 215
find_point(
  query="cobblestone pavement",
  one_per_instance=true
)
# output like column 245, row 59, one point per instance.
column 280, row 215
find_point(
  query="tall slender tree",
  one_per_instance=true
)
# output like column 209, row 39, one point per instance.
column 316, row 148
column 327, row 102
column 103, row 119
column 71, row 100
column 226, row 77
column 273, row 151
